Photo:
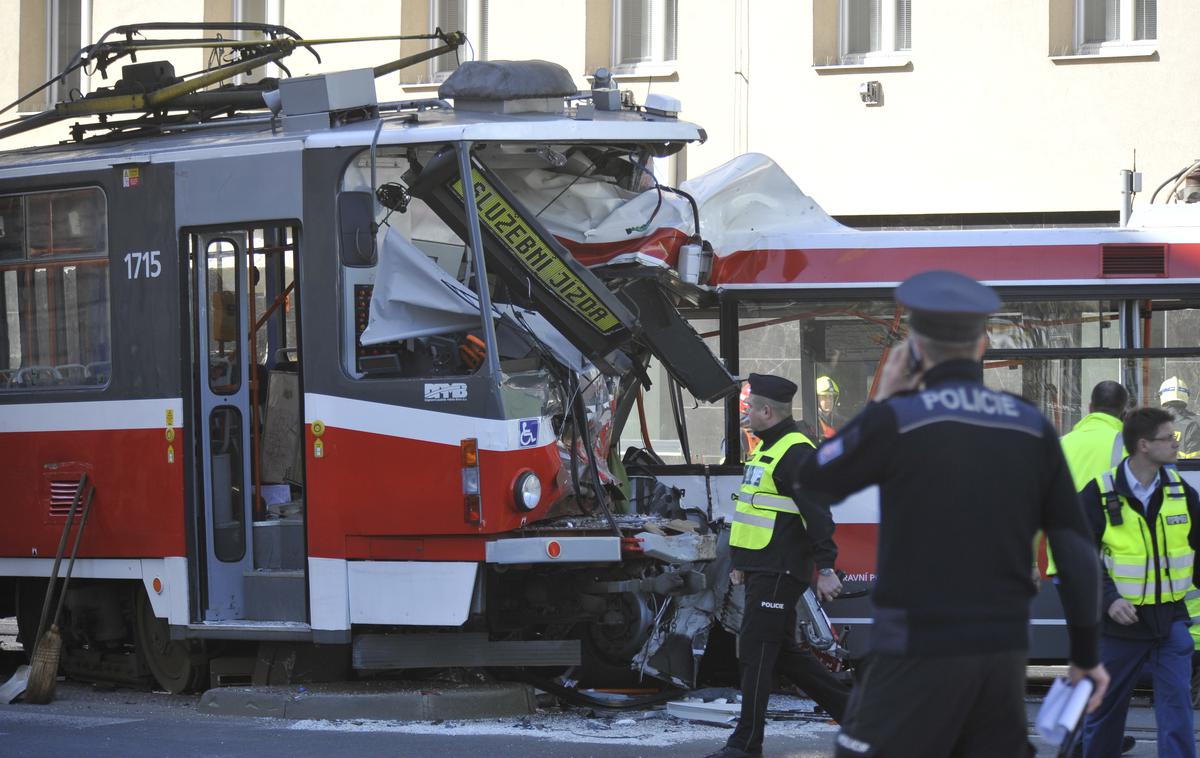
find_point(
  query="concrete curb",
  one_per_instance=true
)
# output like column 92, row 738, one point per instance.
column 382, row 701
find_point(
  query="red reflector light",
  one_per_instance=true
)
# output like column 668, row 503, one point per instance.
column 472, row 510
column 631, row 544
column 470, row 452
column 553, row 548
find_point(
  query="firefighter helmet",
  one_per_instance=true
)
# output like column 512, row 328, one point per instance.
column 826, row 386
column 1173, row 390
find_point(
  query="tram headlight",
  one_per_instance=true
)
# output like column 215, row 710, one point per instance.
column 528, row 491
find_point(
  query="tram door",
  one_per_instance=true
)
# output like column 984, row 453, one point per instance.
column 221, row 281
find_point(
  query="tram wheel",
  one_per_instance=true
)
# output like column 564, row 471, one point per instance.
column 175, row 664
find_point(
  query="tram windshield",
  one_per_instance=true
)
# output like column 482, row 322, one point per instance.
column 415, row 311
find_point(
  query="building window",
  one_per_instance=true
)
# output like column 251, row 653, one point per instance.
column 54, row 290
column 64, row 35
column 467, row 16
column 257, row 12
column 874, row 28
column 1100, row 23
column 904, row 24
column 645, row 32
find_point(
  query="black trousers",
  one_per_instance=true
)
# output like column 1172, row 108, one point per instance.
column 971, row 706
column 768, row 642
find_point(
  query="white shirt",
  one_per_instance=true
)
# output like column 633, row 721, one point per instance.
column 1143, row 494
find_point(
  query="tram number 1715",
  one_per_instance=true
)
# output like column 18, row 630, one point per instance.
column 143, row 265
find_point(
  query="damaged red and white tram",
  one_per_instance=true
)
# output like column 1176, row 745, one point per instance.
column 802, row 295
column 364, row 374
column 257, row 333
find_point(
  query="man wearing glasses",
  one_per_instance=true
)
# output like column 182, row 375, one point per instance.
column 1143, row 517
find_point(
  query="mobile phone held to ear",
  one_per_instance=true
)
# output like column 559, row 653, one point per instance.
column 914, row 359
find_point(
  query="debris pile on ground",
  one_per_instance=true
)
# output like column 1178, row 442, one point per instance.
column 787, row 716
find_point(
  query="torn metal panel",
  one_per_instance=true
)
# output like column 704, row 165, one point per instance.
column 676, row 343
column 717, row 712
column 748, row 203
column 536, row 265
column 679, row 548
column 414, row 297
column 522, row 252
column 675, row 647
column 673, row 651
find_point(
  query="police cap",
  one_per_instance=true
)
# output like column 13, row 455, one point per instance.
column 772, row 387
column 947, row 306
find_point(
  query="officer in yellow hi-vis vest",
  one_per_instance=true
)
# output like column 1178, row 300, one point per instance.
column 1094, row 445
column 1143, row 517
column 778, row 534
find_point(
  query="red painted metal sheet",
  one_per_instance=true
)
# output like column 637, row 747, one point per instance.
column 367, row 488
column 138, row 510
column 1030, row 263
column 662, row 244
column 857, row 545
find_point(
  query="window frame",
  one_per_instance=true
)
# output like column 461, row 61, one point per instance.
column 350, row 278
column 272, row 14
column 475, row 15
column 27, row 262
column 55, row 55
column 887, row 54
column 658, row 63
column 1127, row 28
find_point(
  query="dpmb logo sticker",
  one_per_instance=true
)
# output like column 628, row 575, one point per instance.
column 440, row 392
column 528, row 432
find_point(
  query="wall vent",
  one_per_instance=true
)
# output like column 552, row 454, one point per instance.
column 59, row 482
column 1134, row 260
column 62, row 494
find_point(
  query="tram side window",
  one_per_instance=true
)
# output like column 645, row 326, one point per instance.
column 1175, row 326
column 832, row 350
column 1060, row 387
column 703, row 424
column 1047, row 324
column 12, row 228
column 403, row 317
column 54, row 291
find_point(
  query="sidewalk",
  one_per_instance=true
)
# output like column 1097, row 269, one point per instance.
column 389, row 701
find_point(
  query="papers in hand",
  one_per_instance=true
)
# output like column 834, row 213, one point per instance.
column 1062, row 709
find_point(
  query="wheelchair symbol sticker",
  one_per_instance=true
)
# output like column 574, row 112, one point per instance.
column 528, row 432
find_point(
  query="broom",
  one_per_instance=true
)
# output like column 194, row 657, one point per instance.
column 43, row 664
column 62, row 546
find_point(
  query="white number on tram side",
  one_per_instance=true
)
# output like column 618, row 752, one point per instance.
column 143, row 265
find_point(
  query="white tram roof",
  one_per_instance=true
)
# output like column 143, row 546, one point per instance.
column 437, row 124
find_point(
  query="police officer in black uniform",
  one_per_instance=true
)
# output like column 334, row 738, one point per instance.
column 967, row 476
column 778, row 534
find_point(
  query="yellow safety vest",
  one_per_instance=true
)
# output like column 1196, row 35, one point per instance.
column 1193, row 606
column 759, row 500
column 1127, row 553
column 1093, row 446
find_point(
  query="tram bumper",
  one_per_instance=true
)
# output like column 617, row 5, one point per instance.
column 526, row 550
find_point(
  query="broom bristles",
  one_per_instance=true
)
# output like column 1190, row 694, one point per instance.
column 43, row 667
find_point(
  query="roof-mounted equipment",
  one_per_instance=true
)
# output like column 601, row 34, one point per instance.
column 509, row 87
column 318, row 102
column 164, row 100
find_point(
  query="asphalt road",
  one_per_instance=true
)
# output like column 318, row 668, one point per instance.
column 119, row 722
column 125, row 722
